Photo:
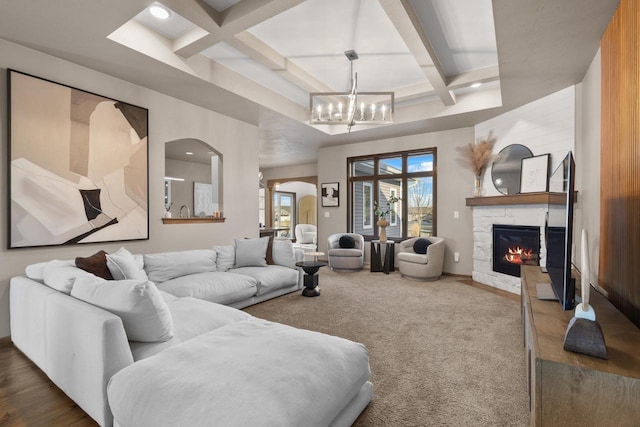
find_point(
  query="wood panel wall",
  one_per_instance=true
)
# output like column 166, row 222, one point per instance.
column 620, row 161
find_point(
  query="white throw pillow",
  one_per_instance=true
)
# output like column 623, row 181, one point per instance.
column 144, row 312
column 282, row 253
column 251, row 252
column 125, row 266
column 226, row 257
column 168, row 265
column 60, row 275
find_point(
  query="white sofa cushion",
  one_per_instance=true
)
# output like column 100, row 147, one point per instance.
column 253, row 373
column 125, row 266
column 144, row 312
column 251, row 252
column 226, row 257
column 282, row 253
column 220, row 287
column 36, row 271
column 191, row 317
column 270, row 278
column 165, row 266
column 60, row 275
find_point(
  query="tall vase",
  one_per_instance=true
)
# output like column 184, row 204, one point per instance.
column 383, row 224
column 383, row 234
column 477, row 186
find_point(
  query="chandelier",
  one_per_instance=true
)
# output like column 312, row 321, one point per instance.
column 352, row 107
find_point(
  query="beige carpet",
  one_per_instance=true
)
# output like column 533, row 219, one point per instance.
column 441, row 353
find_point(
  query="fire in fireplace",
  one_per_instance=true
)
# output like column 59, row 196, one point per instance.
column 513, row 246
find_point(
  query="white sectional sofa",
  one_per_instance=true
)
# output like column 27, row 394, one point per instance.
column 77, row 327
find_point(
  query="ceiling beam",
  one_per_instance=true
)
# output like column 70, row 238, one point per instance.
column 413, row 92
column 479, row 75
column 405, row 20
column 223, row 26
column 264, row 54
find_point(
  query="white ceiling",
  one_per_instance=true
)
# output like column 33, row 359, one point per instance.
column 257, row 60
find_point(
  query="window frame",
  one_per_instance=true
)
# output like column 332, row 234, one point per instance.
column 364, row 224
column 376, row 177
column 393, row 208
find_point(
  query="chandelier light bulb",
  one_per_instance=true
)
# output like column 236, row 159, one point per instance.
column 330, row 110
column 373, row 111
column 383, row 110
column 340, row 110
column 362, row 111
column 320, row 112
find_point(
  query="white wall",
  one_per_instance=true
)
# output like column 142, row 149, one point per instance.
column 169, row 119
column 546, row 125
column 454, row 184
column 588, row 101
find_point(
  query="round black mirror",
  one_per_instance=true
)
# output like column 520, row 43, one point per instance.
column 506, row 168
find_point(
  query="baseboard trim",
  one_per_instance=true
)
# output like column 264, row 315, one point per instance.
column 505, row 294
column 458, row 276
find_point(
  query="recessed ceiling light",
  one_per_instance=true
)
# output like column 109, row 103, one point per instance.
column 159, row 12
column 475, row 85
column 188, row 153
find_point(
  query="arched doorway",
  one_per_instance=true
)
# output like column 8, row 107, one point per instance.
column 304, row 210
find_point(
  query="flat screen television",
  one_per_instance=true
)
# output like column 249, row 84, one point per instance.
column 559, row 232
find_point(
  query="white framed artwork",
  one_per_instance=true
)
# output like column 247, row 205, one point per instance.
column 535, row 174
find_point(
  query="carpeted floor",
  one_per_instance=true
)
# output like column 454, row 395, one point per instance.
column 441, row 353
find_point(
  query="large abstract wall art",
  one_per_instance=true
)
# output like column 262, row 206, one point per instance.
column 78, row 166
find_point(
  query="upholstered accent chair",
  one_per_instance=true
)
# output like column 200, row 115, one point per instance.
column 419, row 266
column 306, row 233
column 344, row 257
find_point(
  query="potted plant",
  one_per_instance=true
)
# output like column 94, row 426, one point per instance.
column 381, row 213
column 478, row 155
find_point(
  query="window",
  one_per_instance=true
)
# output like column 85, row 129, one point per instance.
column 377, row 180
column 284, row 212
column 261, row 208
column 367, row 205
column 393, row 214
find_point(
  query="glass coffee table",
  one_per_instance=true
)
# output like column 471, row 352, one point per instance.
column 310, row 278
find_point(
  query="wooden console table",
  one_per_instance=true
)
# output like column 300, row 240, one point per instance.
column 573, row 389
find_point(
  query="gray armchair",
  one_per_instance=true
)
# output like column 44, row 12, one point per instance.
column 418, row 266
column 345, row 259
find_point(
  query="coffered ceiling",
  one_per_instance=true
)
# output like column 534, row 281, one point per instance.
column 258, row 60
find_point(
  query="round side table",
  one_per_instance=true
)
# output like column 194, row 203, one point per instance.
column 310, row 278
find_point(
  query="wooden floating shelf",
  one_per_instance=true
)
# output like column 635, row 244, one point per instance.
column 191, row 220
column 541, row 198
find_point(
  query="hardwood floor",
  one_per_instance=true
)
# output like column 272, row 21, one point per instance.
column 29, row 398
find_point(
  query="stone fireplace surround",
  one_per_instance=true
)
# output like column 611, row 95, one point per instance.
column 527, row 209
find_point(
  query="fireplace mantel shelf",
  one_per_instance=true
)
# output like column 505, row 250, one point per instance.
column 542, row 198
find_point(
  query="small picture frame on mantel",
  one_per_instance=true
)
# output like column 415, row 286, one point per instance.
column 330, row 194
column 535, row 174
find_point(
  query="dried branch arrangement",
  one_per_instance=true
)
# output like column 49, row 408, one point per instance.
column 478, row 155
